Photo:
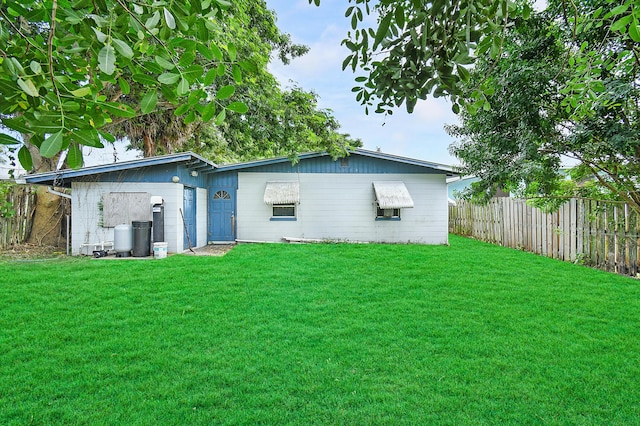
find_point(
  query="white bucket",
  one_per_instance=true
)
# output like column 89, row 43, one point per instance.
column 160, row 250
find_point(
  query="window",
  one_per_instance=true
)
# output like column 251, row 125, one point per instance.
column 389, row 214
column 282, row 196
column 391, row 196
column 344, row 162
column 284, row 211
column 221, row 195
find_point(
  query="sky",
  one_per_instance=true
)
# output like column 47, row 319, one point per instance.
column 418, row 135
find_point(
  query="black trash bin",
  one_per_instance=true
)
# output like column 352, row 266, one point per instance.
column 141, row 238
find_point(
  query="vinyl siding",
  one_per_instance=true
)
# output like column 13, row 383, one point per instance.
column 342, row 207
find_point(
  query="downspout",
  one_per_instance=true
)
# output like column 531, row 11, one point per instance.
column 61, row 194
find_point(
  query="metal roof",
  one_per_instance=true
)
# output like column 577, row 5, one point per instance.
column 64, row 177
column 195, row 162
column 392, row 195
column 282, row 192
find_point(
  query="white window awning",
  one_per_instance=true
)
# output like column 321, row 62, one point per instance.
column 282, row 193
column 392, row 195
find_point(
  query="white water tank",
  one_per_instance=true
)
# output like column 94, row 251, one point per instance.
column 123, row 240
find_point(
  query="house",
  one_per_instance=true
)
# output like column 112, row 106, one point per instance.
column 366, row 196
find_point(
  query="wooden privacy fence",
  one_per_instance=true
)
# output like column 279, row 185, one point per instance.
column 17, row 206
column 604, row 235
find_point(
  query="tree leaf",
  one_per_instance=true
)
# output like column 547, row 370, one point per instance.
column 74, row 156
column 25, row 159
column 8, row 140
column 217, row 53
column 52, row 145
column 621, row 24
column 239, row 107
column 35, row 67
column 210, row 77
column 383, row 29
column 102, row 37
column 231, row 49
column 183, row 87
column 145, row 79
column 81, row 92
column 117, row 109
column 28, row 87
column 225, row 91
column 237, row 73
column 107, row 60
column 168, row 65
column 168, row 78
column 634, row 31
column 123, row 48
column 88, row 138
column 193, row 72
column 149, row 101
column 208, row 112
column 169, row 19
column 124, row 86
column 220, row 118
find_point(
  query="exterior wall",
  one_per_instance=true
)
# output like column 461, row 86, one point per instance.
column 342, row 207
column 201, row 217
column 86, row 215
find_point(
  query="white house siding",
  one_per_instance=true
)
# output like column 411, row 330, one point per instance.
column 86, row 215
column 342, row 207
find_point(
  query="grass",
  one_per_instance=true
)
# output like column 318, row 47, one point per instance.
column 319, row 334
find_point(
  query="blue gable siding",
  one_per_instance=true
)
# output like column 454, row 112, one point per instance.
column 224, row 180
column 153, row 174
column 355, row 164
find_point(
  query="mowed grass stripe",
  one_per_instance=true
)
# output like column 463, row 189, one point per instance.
column 320, row 334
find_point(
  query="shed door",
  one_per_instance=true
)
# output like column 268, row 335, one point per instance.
column 189, row 211
column 222, row 210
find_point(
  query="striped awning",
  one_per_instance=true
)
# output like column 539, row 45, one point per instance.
column 392, row 195
column 282, row 193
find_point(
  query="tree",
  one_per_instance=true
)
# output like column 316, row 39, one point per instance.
column 541, row 112
column 279, row 123
column 250, row 27
column 421, row 48
column 67, row 63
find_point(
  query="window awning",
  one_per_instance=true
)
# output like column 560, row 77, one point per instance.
column 282, row 193
column 392, row 195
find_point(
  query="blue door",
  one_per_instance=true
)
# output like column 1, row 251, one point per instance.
column 189, row 213
column 222, row 214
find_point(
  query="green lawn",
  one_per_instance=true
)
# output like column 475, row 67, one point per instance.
column 320, row 334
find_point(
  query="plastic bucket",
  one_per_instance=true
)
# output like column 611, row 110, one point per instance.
column 160, row 250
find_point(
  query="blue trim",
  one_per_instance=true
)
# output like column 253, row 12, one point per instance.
column 388, row 219
column 283, row 219
column 64, row 177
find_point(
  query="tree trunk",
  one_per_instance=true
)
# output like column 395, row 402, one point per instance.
column 46, row 228
column 149, row 148
column 50, row 209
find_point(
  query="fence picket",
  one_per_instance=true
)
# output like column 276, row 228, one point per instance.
column 601, row 234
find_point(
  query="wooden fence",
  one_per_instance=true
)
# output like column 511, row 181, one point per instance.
column 600, row 234
column 15, row 218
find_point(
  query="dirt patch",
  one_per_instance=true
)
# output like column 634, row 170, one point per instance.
column 211, row 250
column 31, row 251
